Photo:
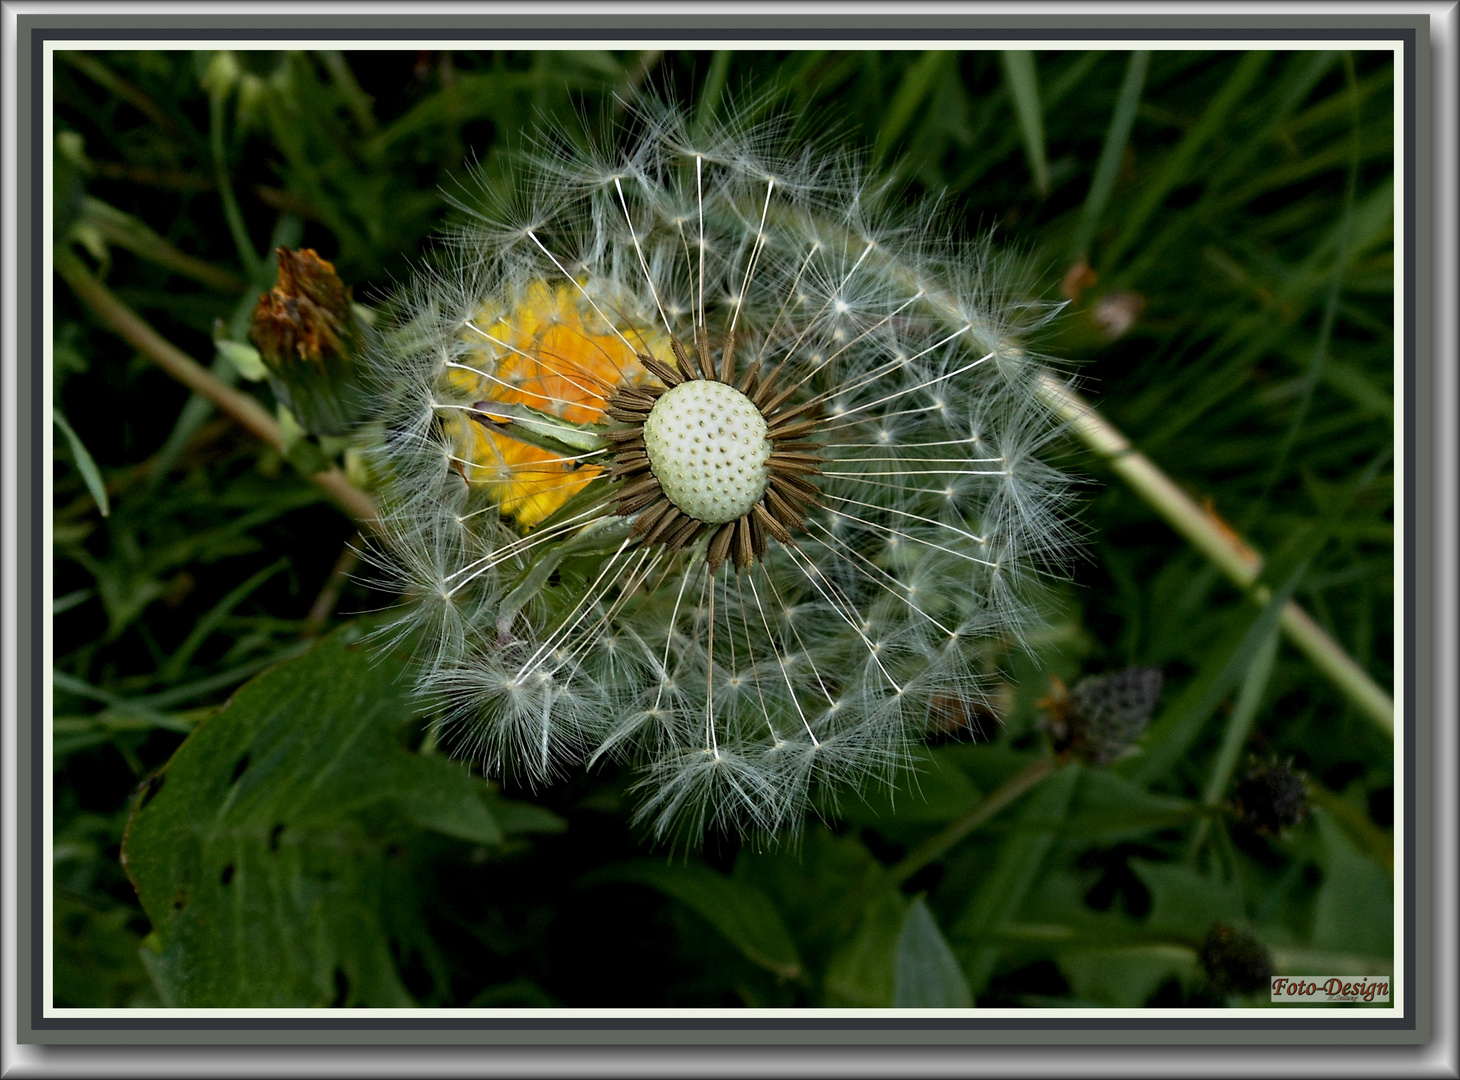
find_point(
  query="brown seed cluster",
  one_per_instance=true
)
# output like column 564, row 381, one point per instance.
column 790, row 488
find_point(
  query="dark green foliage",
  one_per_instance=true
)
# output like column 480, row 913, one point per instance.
column 305, row 876
column 1222, row 225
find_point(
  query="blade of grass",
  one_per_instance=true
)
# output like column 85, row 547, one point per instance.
column 70, row 600
column 1023, row 81
column 1179, row 161
column 128, row 232
column 1181, row 722
column 1315, row 367
column 224, row 679
column 360, row 104
column 70, row 684
column 208, row 623
column 1303, row 72
column 996, row 139
column 1234, row 738
column 109, row 722
column 103, row 76
column 916, row 85
column 710, row 93
column 218, row 93
column 84, row 463
column 1116, row 137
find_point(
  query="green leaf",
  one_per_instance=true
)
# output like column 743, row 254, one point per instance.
column 1011, row 876
column 301, row 449
column 1185, row 903
column 862, row 972
column 440, row 794
column 928, row 975
column 1354, row 909
column 823, row 891
column 515, row 818
column 538, row 428
column 1109, row 805
column 244, row 358
column 84, row 463
column 95, row 958
column 738, row 910
column 1124, row 978
column 269, row 852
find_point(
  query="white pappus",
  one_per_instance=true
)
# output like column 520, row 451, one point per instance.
column 696, row 460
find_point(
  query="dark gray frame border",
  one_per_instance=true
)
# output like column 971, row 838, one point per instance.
column 639, row 1031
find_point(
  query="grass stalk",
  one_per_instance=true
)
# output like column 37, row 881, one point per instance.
column 1216, row 540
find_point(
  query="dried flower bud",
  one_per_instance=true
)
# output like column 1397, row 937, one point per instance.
column 1234, row 961
column 307, row 334
column 1271, row 797
column 1102, row 716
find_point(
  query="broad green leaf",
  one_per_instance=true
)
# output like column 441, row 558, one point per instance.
column 514, row 818
column 862, row 972
column 738, row 910
column 1185, row 903
column 822, row 890
column 1354, row 909
column 268, row 853
column 928, row 975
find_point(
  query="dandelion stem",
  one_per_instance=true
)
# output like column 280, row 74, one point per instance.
column 1214, row 539
column 935, row 847
column 243, row 408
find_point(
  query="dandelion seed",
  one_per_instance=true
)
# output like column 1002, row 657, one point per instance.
column 727, row 477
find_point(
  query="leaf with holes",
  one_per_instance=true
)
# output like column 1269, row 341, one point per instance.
column 271, row 852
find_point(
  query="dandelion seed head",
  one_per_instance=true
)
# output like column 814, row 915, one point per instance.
column 705, row 456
